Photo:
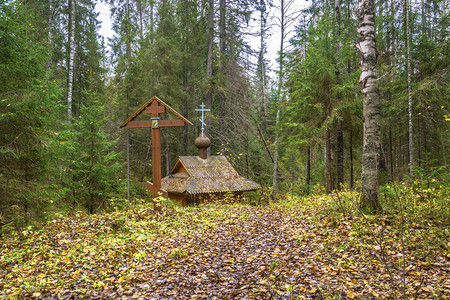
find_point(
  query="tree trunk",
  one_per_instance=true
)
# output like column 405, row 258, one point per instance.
column 264, row 141
column 127, row 100
column 424, row 137
column 141, row 26
column 91, row 204
column 275, row 157
column 152, row 24
column 371, row 107
column 391, row 157
column 405, row 148
column 410, row 104
column 339, row 135
column 340, row 155
column 186, row 109
column 263, row 65
column 277, row 120
column 186, row 112
column 72, row 50
column 51, row 23
column 222, row 97
column 328, row 168
column 308, row 168
column 209, row 65
column 168, row 160
column 264, row 95
column 247, row 132
column 352, row 180
column 419, row 141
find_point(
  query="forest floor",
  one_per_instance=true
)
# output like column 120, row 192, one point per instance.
column 296, row 249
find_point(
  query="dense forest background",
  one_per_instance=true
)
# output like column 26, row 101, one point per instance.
column 296, row 128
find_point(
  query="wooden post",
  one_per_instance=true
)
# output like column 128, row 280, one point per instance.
column 156, row 161
column 155, row 110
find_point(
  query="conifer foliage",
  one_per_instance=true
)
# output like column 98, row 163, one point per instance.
column 294, row 125
column 92, row 175
column 27, row 95
column 325, row 109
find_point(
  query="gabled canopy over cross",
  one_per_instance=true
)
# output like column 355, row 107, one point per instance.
column 155, row 107
column 203, row 110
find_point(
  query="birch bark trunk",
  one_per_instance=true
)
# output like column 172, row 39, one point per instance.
column 51, row 21
column 371, row 107
column 72, row 51
column 410, row 102
column 275, row 156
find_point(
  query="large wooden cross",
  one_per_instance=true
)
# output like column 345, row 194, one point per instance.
column 155, row 107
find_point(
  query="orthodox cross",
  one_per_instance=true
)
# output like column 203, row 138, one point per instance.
column 203, row 110
column 155, row 107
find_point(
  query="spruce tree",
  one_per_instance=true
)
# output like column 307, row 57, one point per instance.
column 94, row 171
column 27, row 101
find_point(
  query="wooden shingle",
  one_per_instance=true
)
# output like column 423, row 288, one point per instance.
column 214, row 174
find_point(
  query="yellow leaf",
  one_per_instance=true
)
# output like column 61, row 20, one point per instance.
column 352, row 295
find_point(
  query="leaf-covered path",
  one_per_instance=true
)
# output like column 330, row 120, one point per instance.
column 230, row 252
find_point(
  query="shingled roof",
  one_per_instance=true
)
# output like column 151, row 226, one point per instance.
column 215, row 174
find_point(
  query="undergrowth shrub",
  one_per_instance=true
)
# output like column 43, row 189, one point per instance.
column 258, row 198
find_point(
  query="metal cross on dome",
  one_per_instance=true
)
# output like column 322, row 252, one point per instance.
column 202, row 109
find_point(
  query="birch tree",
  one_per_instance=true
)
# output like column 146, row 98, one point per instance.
column 72, row 50
column 410, row 104
column 52, row 11
column 287, row 17
column 371, row 106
